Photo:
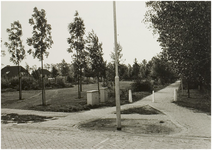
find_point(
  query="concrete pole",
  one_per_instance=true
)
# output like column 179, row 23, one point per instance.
column 130, row 96
column 118, row 114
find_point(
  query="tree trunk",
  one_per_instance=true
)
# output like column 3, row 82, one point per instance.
column 98, row 84
column 80, row 80
column 182, row 85
column 79, row 93
column 43, row 84
column 188, row 90
column 19, row 77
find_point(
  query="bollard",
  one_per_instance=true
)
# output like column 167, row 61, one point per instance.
column 130, row 96
column 175, row 94
column 153, row 96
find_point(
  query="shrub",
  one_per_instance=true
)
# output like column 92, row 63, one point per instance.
column 139, row 85
column 5, row 83
column 14, row 82
column 29, row 83
column 124, row 94
column 70, row 79
column 61, row 82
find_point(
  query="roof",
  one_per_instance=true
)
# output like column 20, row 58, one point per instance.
column 46, row 72
column 12, row 71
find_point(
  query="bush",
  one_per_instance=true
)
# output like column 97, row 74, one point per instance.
column 70, row 79
column 61, row 82
column 139, row 85
column 14, row 82
column 29, row 83
column 5, row 83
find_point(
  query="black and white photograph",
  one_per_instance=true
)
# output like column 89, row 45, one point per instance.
column 105, row 74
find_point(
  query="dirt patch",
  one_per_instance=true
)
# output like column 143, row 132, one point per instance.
column 16, row 118
column 144, row 110
column 135, row 126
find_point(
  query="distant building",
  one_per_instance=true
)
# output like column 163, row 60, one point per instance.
column 46, row 73
column 12, row 71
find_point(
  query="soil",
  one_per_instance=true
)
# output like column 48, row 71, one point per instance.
column 16, row 118
column 135, row 126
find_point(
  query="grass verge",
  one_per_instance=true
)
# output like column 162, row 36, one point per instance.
column 197, row 101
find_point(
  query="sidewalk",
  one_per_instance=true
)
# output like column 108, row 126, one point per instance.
column 64, row 132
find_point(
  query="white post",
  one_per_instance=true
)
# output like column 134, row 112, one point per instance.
column 130, row 96
column 118, row 113
column 175, row 94
column 153, row 96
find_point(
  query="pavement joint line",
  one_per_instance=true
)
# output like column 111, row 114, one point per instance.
column 101, row 143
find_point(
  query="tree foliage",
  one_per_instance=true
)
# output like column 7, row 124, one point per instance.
column 119, row 54
column 135, row 70
column 64, row 67
column 54, row 72
column 184, row 30
column 95, row 52
column 15, row 48
column 41, row 40
column 77, row 43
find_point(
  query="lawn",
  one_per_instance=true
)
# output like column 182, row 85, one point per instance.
column 64, row 100
column 197, row 101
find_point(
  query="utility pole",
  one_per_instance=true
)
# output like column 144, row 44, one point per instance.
column 118, row 114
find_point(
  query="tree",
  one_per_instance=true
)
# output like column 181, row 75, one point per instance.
column 47, row 66
column 28, row 68
column 41, row 40
column 135, row 70
column 54, row 72
column 95, row 53
column 119, row 53
column 161, row 70
column 15, row 48
column 110, row 72
column 64, row 68
column 123, row 72
column 36, row 74
column 184, row 30
column 76, row 41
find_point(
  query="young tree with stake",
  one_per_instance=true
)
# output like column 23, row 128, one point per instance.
column 95, row 53
column 77, row 30
column 41, row 40
column 15, row 48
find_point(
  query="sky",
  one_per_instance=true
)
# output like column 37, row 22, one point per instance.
column 136, row 39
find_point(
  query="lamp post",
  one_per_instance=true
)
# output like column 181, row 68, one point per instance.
column 118, row 114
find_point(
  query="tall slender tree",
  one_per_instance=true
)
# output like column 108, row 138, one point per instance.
column 119, row 53
column 15, row 48
column 95, row 53
column 41, row 40
column 77, row 43
column 184, row 30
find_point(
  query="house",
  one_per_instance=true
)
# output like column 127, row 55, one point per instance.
column 46, row 73
column 38, row 73
column 12, row 71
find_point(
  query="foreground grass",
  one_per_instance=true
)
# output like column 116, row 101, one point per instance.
column 197, row 101
column 66, row 100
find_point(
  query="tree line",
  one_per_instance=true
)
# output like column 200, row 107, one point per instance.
column 184, row 30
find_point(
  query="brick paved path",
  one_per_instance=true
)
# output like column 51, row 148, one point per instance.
column 64, row 132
